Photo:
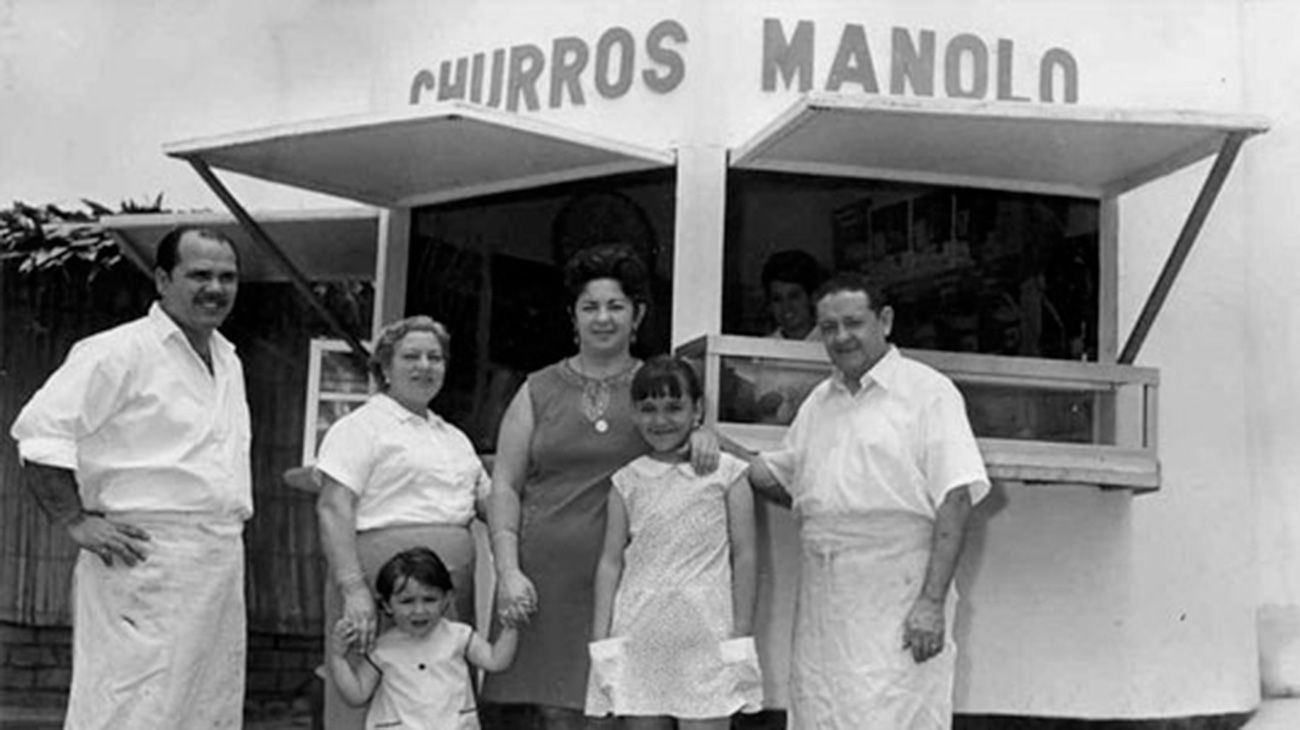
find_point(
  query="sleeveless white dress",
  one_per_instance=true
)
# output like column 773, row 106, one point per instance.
column 426, row 681
column 670, row 650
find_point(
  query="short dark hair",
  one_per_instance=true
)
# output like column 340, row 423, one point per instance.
column 666, row 376
column 393, row 332
column 417, row 563
column 794, row 266
column 166, row 256
column 611, row 261
column 850, row 281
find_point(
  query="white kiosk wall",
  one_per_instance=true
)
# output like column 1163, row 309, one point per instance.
column 1273, row 336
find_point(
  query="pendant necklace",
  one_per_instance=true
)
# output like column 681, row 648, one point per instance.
column 595, row 397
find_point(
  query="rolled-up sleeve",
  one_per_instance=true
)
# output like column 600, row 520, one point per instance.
column 952, row 455
column 76, row 400
column 347, row 454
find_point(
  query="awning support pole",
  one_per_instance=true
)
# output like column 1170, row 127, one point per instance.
column 1183, row 246
column 261, row 238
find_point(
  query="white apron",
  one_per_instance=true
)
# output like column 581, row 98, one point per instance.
column 161, row 644
column 859, row 577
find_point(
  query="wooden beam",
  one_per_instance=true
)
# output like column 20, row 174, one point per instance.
column 1183, row 246
column 270, row 248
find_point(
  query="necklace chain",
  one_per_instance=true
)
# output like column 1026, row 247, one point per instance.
column 595, row 393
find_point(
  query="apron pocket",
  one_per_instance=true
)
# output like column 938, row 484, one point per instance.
column 607, row 660
column 740, row 656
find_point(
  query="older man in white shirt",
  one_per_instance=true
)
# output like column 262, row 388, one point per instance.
column 139, row 446
column 882, row 469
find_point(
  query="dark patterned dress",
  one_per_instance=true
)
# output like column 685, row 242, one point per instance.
column 562, row 528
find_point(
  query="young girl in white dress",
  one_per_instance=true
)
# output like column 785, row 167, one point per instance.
column 675, row 585
column 418, row 673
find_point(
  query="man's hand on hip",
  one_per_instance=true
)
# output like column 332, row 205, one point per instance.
column 111, row 541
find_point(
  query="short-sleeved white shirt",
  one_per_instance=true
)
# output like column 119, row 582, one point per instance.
column 404, row 468
column 901, row 442
column 136, row 413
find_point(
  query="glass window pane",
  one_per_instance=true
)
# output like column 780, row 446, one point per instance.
column 340, row 373
column 765, row 390
column 769, row 391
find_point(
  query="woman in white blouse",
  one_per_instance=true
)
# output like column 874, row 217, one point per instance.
column 394, row 475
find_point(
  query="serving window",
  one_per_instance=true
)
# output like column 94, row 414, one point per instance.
column 992, row 228
column 967, row 270
column 482, row 209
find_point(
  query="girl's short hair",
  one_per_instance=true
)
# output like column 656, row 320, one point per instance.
column 611, row 261
column 666, row 376
column 393, row 332
column 418, row 563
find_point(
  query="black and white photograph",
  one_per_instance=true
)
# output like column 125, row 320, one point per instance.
column 580, row 365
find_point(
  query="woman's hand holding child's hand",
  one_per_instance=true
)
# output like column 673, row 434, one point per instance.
column 512, row 620
column 344, row 637
column 518, row 598
column 359, row 612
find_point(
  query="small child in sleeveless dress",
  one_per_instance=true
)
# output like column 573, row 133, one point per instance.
column 676, row 583
column 418, row 674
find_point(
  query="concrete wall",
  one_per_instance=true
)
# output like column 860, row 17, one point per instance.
column 1081, row 603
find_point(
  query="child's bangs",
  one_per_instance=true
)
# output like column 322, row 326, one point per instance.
column 663, row 384
column 665, row 376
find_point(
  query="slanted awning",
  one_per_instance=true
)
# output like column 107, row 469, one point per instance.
column 325, row 245
column 450, row 151
column 1056, row 149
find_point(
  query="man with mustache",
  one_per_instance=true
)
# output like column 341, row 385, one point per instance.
column 138, row 445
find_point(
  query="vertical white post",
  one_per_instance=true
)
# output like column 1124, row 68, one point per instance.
column 697, row 247
column 392, row 253
column 1108, row 280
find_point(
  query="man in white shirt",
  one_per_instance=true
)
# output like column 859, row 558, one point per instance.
column 138, row 445
column 882, row 469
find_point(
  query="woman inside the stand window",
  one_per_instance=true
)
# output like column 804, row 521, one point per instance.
column 568, row 428
column 789, row 280
column 396, row 476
